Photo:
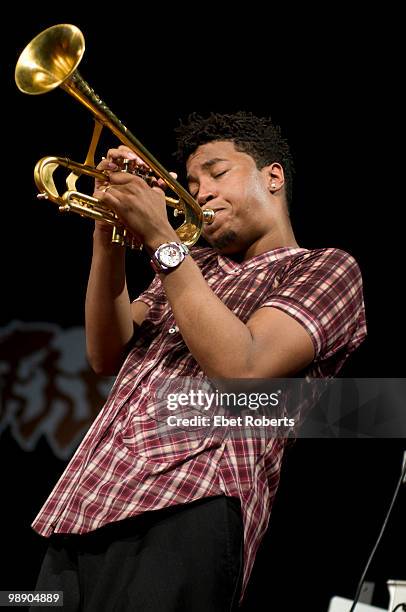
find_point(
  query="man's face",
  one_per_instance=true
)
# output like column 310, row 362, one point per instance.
column 229, row 182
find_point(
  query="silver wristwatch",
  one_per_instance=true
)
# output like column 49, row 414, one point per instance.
column 169, row 256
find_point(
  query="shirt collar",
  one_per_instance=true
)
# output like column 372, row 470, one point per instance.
column 230, row 266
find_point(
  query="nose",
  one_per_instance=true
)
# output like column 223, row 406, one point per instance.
column 203, row 198
column 206, row 193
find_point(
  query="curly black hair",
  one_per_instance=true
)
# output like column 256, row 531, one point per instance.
column 251, row 134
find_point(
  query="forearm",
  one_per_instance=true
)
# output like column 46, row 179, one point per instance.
column 217, row 339
column 109, row 323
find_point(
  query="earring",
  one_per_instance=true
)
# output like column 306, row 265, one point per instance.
column 273, row 185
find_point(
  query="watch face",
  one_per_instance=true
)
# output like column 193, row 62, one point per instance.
column 170, row 256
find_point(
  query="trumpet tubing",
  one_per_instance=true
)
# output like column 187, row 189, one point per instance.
column 50, row 60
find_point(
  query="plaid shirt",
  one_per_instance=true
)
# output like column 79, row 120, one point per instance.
column 125, row 466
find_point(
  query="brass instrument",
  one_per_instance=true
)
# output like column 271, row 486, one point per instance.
column 50, row 60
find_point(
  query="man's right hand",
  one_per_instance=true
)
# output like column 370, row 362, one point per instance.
column 112, row 162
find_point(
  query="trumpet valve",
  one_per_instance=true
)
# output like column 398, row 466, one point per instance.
column 134, row 167
column 64, row 208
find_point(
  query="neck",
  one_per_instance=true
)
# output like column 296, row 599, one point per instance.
column 280, row 235
column 276, row 232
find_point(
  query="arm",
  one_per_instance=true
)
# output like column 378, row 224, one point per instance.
column 111, row 320
column 317, row 312
column 270, row 344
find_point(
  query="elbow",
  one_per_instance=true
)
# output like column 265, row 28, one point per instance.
column 103, row 367
column 107, row 361
column 230, row 370
column 237, row 363
column 242, row 366
column 229, row 366
column 104, row 371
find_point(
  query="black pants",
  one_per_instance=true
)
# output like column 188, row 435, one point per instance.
column 186, row 558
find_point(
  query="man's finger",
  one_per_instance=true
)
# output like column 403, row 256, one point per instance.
column 161, row 183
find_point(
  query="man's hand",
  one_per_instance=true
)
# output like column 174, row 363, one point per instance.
column 140, row 207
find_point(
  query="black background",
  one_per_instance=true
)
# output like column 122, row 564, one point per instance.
column 332, row 82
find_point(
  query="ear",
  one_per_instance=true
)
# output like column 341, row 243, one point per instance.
column 275, row 177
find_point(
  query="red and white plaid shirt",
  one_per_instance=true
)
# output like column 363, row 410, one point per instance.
column 125, row 466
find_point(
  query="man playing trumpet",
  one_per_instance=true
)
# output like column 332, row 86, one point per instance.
column 145, row 521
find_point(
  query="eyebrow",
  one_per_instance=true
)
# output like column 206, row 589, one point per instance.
column 205, row 166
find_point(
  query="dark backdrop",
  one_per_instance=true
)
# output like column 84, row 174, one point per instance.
column 333, row 89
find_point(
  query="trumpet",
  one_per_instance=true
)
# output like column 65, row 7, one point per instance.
column 50, row 60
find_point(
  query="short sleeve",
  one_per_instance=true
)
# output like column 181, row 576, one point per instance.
column 322, row 290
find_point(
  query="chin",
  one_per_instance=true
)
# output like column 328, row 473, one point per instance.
column 225, row 243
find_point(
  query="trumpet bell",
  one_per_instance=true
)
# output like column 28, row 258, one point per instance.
column 49, row 59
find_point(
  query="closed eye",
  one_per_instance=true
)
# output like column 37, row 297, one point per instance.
column 214, row 176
